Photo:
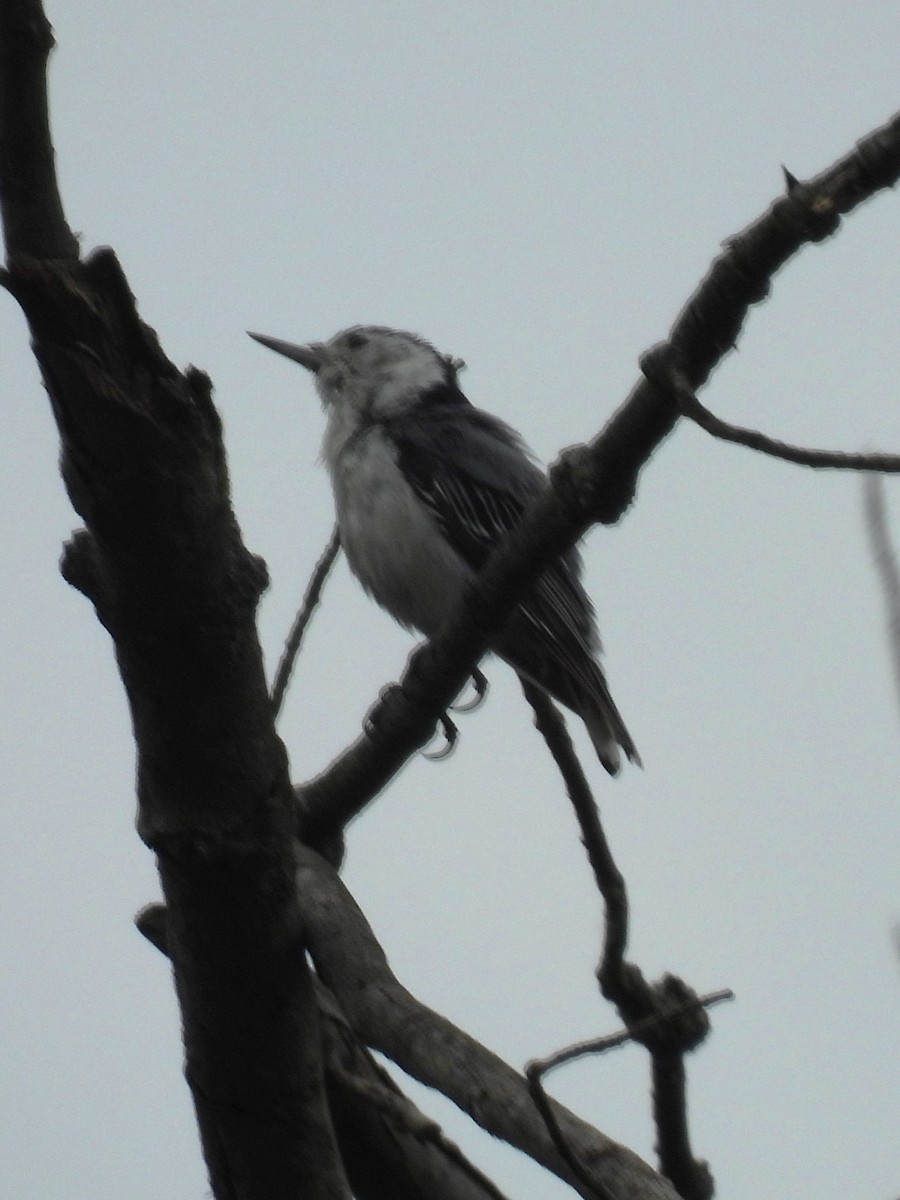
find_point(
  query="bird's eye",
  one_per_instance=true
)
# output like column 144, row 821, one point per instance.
column 356, row 341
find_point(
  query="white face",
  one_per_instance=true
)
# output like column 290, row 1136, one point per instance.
column 374, row 370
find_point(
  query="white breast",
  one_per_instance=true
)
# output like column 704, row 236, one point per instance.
column 393, row 544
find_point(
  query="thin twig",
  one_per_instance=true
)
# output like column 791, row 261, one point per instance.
column 558, row 1138
column 612, row 1041
column 885, row 565
column 690, row 406
column 539, row 1067
column 608, row 877
column 666, row 1017
column 301, row 621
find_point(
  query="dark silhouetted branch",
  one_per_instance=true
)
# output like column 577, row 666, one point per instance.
column 691, row 1176
column 427, row 1046
column 673, row 1146
column 666, row 1017
column 597, row 482
column 607, row 876
column 33, row 221
column 664, row 376
column 163, row 562
column 389, row 1147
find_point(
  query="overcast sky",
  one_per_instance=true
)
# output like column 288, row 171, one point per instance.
column 536, row 188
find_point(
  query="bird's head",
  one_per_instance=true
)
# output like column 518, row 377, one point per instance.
column 372, row 372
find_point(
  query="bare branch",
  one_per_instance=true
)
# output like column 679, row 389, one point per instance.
column 432, row 1050
column 597, row 482
column 691, row 1176
column 613, row 1041
column 388, row 1146
column 303, row 618
column 608, row 877
column 666, row 1017
column 539, row 1067
column 545, row 1107
column 885, row 565
column 664, row 375
column 163, row 562
column 33, row 220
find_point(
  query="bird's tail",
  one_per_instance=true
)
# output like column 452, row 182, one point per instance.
column 607, row 730
column 583, row 690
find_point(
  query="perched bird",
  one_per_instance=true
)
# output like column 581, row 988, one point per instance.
column 425, row 486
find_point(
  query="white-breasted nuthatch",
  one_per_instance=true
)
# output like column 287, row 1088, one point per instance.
column 425, row 486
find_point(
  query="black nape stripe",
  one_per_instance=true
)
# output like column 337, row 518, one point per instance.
column 441, row 395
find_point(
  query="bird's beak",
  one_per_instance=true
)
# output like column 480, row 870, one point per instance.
column 312, row 357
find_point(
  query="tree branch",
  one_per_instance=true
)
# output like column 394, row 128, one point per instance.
column 429, row 1048
column 30, row 203
column 163, row 562
column 607, row 876
column 666, row 1017
column 673, row 1148
column 666, row 377
column 388, row 1146
column 597, row 482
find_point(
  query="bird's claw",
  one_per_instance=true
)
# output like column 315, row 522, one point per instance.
column 451, row 736
column 480, row 684
column 451, row 733
column 374, row 719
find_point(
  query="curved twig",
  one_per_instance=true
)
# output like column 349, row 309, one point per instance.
column 665, row 375
column 666, row 1017
column 669, row 1139
column 311, row 599
column 607, row 876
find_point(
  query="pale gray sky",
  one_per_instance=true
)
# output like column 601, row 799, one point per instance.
column 536, row 189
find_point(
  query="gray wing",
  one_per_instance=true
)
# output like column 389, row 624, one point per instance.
column 475, row 476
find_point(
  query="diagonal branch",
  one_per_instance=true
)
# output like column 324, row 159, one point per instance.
column 388, row 1146
column 351, row 962
column 597, row 482
column 607, row 876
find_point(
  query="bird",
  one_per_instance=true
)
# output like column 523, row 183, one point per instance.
column 426, row 485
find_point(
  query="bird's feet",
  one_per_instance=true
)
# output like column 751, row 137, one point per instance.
column 480, row 684
column 383, row 714
column 451, row 736
column 374, row 719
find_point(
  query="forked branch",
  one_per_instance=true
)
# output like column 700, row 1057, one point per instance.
column 666, row 1017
